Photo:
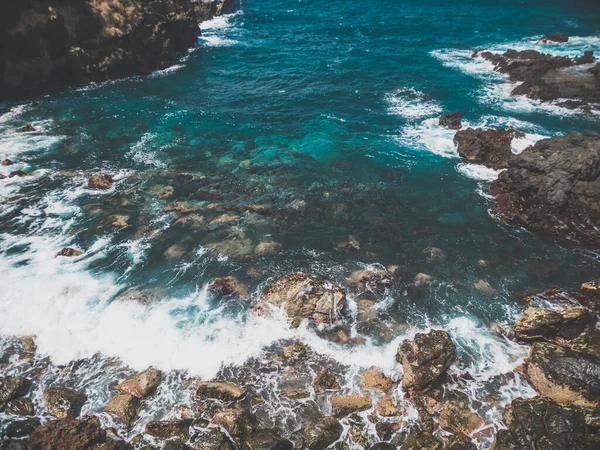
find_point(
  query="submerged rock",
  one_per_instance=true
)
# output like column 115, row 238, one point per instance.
column 344, row 405
column 211, row 439
column 68, row 434
column 220, row 391
column 369, row 283
column 124, row 407
column 142, row 384
column 566, row 376
column 21, row 428
column 12, row 388
column 434, row 255
column 64, row 403
column 320, row 433
column 25, row 129
column 100, row 181
column 228, row 286
column 554, row 325
column 304, row 296
column 484, row 287
column 547, row 189
column 452, row 120
column 492, row 147
column 67, row 251
column 267, row 248
column 425, row 359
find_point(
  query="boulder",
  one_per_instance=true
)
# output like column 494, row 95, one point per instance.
column 457, row 417
column 124, row 407
column 114, row 222
column 268, row 440
column 7, row 162
column 566, row 376
column 211, row 439
column 167, row 429
column 228, row 286
column 304, row 296
column 100, row 181
column 20, row 407
column 267, row 248
column 375, row 379
column 423, row 280
column 344, row 405
column 452, row 120
column 320, row 433
column 491, row 147
column 383, row 446
column 21, row 428
column 425, row 359
column 484, row 287
column 222, row 220
column 68, row 434
column 548, row 189
column 12, row 388
column 434, row 255
column 554, row 325
column 235, row 421
column 557, row 37
column 25, row 129
column 325, row 380
column 295, row 351
column 369, row 284
column 67, row 251
column 64, row 403
column 386, row 407
column 141, row 385
column 421, row 440
column 220, row 391
column 349, row 243
column 18, row 173
column 540, row 423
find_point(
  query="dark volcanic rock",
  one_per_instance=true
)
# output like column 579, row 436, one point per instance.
column 321, row 433
column 64, row 403
column 492, row 147
column 452, row 121
column 540, row 423
column 219, row 390
column 25, row 129
column 554, row 325
column 268, row 440
column 557, row 37
column 554, row 187
column 566, row 376
column 68, row 434
column 20, row 428
column 12, row 388
column 425, row 358
column 165, row 429
column 227, row 286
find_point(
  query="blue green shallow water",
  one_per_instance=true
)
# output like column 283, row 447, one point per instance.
column 333, row 103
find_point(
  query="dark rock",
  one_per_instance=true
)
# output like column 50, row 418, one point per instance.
column 12, row 388
column 425, row 358
column 26, row 129
column 68, row 434
column 212, row 439
column 383, row 446
column 540, row 423
column 166, row 429
column 558, row 37
column 67, row 251
column 142, row 384
column 18, row 173
column 100, row 181
column 268, row 440
column 491, row 147
column 421, row 440
column 220, row 391
column 320, row 433
column 124, row 407
column 174, row 444
column 304, row 296
column 7, row 162
column 566, row 376
column 452, row 121
column 325, row 380
column 64, row 403
column 554, row 325
column 21, row 428
column 369, row 284
column 228, row 286
column 20, row 407
column 554, row 187
column 235, row 421
column 457, row 417
column 459, row 442
column 295, row 351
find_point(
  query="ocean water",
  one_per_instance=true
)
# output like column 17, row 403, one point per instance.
column 334, row 103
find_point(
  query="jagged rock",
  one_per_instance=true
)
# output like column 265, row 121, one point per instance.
column 554, row 325
column 457, row 417
column 304, row 296
column 100, row 181
column 67, row 251
column 452, row 120
column 114, row 222
column 540, row 423
column 166, row 429
column 268, row 440
column 344, row 405
column 325, row 380
column 64, row 403
column 421, row 440
column 386, row 407
column 124, row 407
column 566, row 376
column 21, row 428
column 369, row 284
column 425, row 358
column 25, row 129
column 549, row 190
column 12, row 388
column 228, row 286
column 68, row 434
column 320, row 433
column 492, row 147
column 20, row 407
column 294, row 351
column 267, row 248
column 211, row 439
column 375, row 379
column 235, row 421
column 142, row 384
column 219, row 390
column 558, row 37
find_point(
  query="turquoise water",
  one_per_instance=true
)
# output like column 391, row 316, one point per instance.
column 334, row 103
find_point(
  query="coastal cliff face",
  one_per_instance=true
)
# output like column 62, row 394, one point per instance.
column 46, row 44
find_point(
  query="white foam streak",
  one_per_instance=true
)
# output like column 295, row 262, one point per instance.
column 411, row 104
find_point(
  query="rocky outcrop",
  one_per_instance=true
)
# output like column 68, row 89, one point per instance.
column 425, row 359
column 68, row 434
column 452, row 120
column 554, row 187
column 227, row 287
column 47, row 44
column 554, row 325
column 491, row 147
column 304, row 296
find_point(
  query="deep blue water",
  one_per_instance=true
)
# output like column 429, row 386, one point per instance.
column 330, row 102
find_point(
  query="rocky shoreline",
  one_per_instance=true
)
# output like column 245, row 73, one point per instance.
column 49, row 44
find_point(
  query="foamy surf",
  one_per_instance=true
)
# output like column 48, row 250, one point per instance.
column 220, row 31
column 411, row 104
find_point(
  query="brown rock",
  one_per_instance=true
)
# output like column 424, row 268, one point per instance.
column 68, row 434
column 166, row 429
column 386, row 407
column 267, row 248
column 452, row 120
column 320, row 433
column 25, row 129
column 124, row 407
column 235, row 421
column 219, row 390
column 492, row 148
column 6, row 162
column 181, row 208
column 100, row 181
column 375, row 379
column 294, row 351
column 228, row 286
column 295, row 393
column 20, row 407
column 64, row 403
column 457, row 417
column 554, row 325
column 67, row 251
column 12, row 388
column 142, row 384
column 325, row 380
column 344, row 405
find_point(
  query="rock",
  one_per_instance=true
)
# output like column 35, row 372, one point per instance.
column 174, row 444
column 67, row 251
column 220, row 391
column 296, row 205
column 591, row 289
column 134, row 295
column 124, row 407
column 267, row 248
column 546, row 189
column 350, row 243
column 375, row 379
column 234, row 421
column 423, row 280
column 383, row 446
column 566, row 376
column 320, row 433
column 268, row 440
column 18, row 173
column 484, row 287
column 114, row 222
column 344, row 405
column 452, row 121
column 304, row 296
column 554, row 325
column 369, row 283
column 222, row 220
column 193, row 222
column 295, row 393
column 7, row 162
column 421, row 440
column 540, row 423
column 25, row 129
column 492, row 147
column 166, row 429
column 142, row 384
column 295, row 351
column 176, row 251
column 64, row 403
column 457, row 417
column 459, row 442
column 21, row 428
column 166, row 192
column 228, row 286
column 559, row 37
column 434, row 255
column 234, row 248
column 386, row 407
column 181, row 208
column 12, row 388
column 211, row 439
column 20, row 407
column 100, row 181
column 325, row 380
column 425, row 359
column 68, row 434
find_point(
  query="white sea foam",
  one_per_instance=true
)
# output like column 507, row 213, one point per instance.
column 219, row 31
column 146, row 152
column 477, row 172
column 411, row 104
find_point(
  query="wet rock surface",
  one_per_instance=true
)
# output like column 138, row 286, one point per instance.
column 452, row 120
column 554, row 325
column 491, row 147
column 68, row 434
column 64, row 403
column 141, row 385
